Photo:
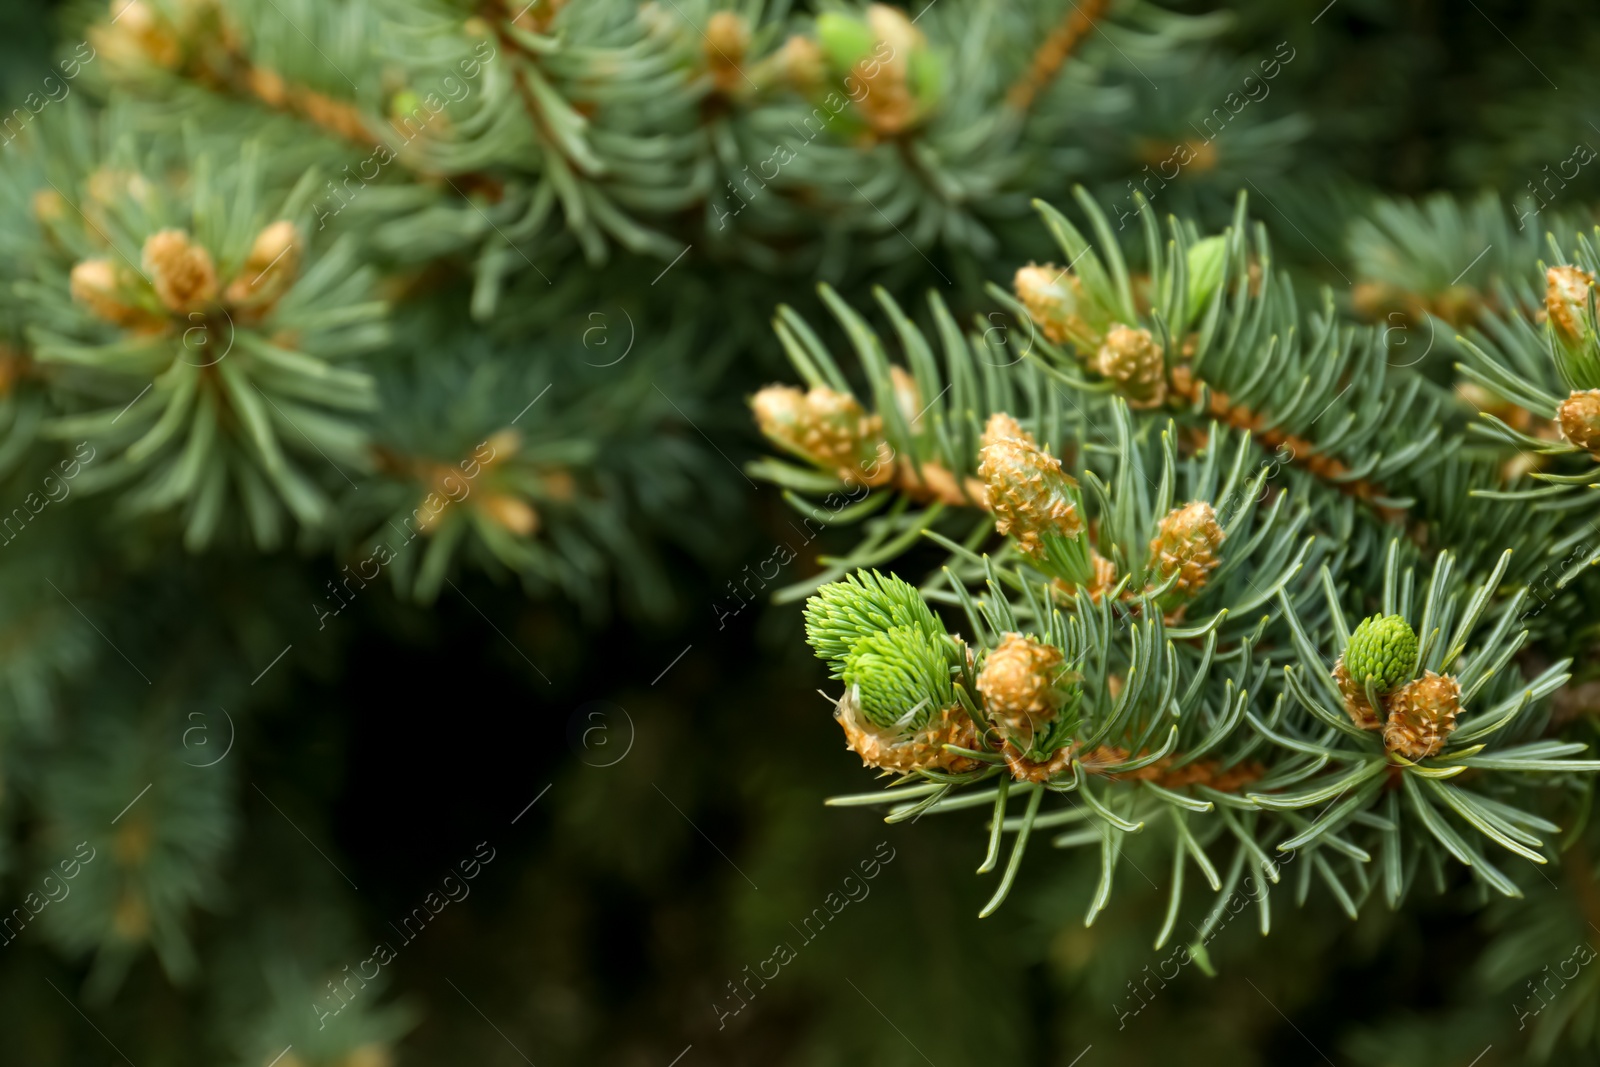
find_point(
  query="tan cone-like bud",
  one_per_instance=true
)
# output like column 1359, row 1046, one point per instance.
column 1055, row 301
column 1021, row 685
column 96, row 286
column 891, row 750
column 271, row 267
column 1566, row 301
column 1103, row 578
column 535, row 17
column 513, row 513
column 1026, row 488
column 1579, row 416
column 828, row 428
column 136, row 31
column 268, row 86
column 1422, row 715
column 1130, row 357
column 1105, row 575
column 181, row 271
column 801, row 64
column 49, row 206
column 1186, row 543
column 1356, row 703
column 727, row 41
column 501, row 445
column 559, row 485
column 887, row 102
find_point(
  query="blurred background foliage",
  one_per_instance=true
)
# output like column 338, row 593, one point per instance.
column 675, row 753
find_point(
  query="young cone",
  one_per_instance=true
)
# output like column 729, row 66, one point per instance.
column 1131, row 358
column 828, row 428
column 1566, row 302
column 1024, row 685
column 1579, row 416
column 181, row 271
column 1028, row 491
column 1356, row 704
column 1422, row 715
column 1056, row 303
column 1186, row 544
column 1383, row 651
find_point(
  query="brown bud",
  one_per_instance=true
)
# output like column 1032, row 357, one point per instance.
column 180, row 270
column 1130, row 357
column 1055, row 301
column 1579, row 416
column 1373, row 301
column 500, row 446
column 49, row 206
column 1022, row 688
column 559, row 485
column 828, row 428
column 535, row 17
column 1105, row 575
column 97, row 286
column 137, row 31
column 1103, row 579
column 887, row 102
column 1027, row 490
column 1186, row 544
column 801, row 64
column 1356, row 703
column 1002, row 427
column 889, row 749
column 268, row 86
column 1566, row 301
column 727, row 40
column 1422, row 715
column 513, row 513
column 270, row 268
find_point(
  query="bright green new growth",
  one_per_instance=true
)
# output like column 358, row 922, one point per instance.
column 1205, row 265
column 901, row 675
column 840, row 614
column 1384, row 649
